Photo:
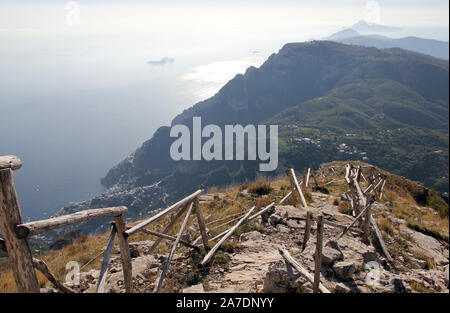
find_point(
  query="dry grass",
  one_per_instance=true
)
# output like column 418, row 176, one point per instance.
column 263, row 202
column 422, row 256
column 431, row 230
column 386, row 225
column 418, row 287
column 81, row 250
column 424, row 220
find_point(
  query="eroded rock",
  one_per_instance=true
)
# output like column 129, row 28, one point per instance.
column 343, row 269
column 275, row 219
column 278, row 281
column 341, row 288
column 331, row 255
column 253, row 235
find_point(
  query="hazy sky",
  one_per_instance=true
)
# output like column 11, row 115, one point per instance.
column 68, row 38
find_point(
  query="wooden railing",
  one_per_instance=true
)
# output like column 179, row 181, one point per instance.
column 16, row 233
column 361, row 203
column 190, row 204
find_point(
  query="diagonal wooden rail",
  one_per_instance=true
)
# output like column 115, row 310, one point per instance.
column 172, row 252
column 105, row 261
column 288, row 258
column 208, row 257
column 295, row 186
column 163, row 213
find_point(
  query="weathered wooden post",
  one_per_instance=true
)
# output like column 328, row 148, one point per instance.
column 382, row 187
column 307, row 178
column 303, row 184
column 307, row 229
column 105, row 262
column 288, row 258
column 19, row 252
column 351, row 224
column 295, row 186
column 360, row 194
column 373, row 179
column 380, row 239
column 201, row 223
column 366, row 224
column 318, row 258
column 119, row 222
column 313, row 174
column 358, row 173
column 43, row 268
column 354, row 201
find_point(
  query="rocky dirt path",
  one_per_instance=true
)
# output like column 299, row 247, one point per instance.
column 247, row 268
column 255, row 265
column 353, row 266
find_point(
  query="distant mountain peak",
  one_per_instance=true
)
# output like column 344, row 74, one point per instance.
column 343, row 34
column 365, row 27
column 364, row 34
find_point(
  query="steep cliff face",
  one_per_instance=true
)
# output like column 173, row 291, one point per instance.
column 391, row 104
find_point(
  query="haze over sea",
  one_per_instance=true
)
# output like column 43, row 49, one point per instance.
column 80, row 93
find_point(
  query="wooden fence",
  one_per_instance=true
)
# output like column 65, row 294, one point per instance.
column 361, row 202
column 16, row 233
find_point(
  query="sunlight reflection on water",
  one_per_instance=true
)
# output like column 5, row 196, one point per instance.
column 211, row 77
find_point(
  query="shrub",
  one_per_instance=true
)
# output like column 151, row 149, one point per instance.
column 263, row 202
column 435, row 201
column 220, row 258
column 293, row 199
column 84, row 259
column 345, row 208
column 308, row 196
column 81, row 239
column 248, row 228
column 228, row 247
column 194, row 278
column 321, row 189
column 260, row 188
